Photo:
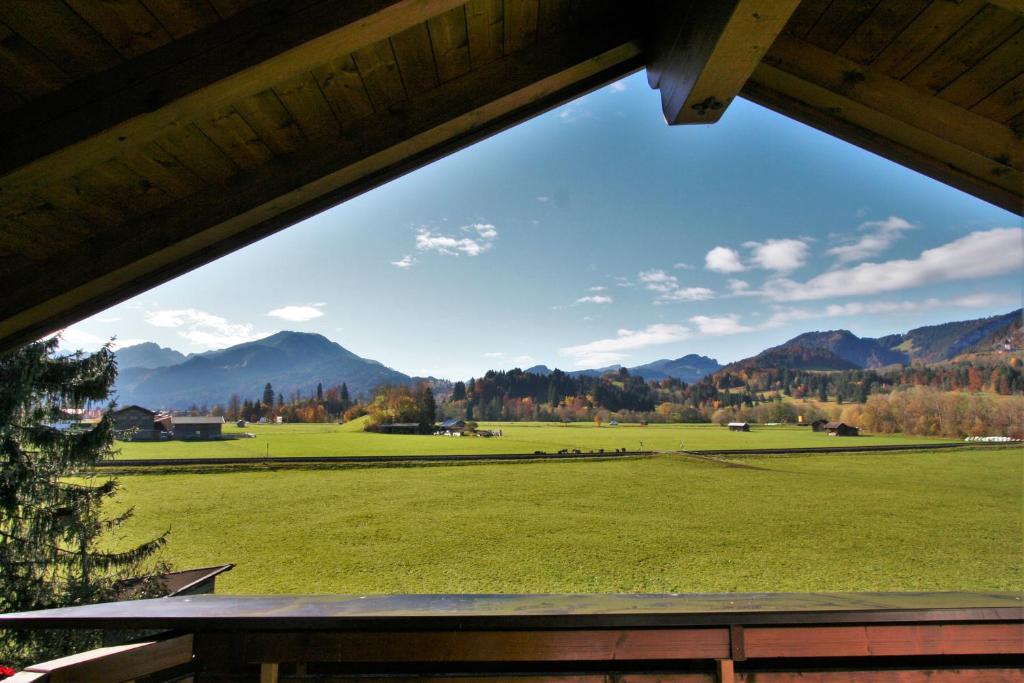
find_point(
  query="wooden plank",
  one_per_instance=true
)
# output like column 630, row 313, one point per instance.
column 1005, row 103
column 485, row 20
column 342, row 87
column 305, row 101
column 989, row 28
column 449, row 37
column 70, row 195
column 236, row 138
column 182, row 17
column 125, row 24
column 884, row 640
column 999, row 67
column 114, row 182
column 120, row 662
column 24, row 69
column 887, row 21
column 60, row 34
column 377, row 66
column 838, row 23
column 520, row 22
column 899, row 101
column 926, row 33
column 805, row 17
column 715, row 49
column 553, row 17
column 193, row 148
column 166, row 89
column 501, row 646
column 229, row 216
column 954, row 674
column 888, row 137
column 725, row 671
column 415, row 58
column 154, row 164
column 229, row 8
column 271, row 121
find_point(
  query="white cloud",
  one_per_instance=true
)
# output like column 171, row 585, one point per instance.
column 977, row 255
column 881, row 236
column 203, row 329
column 719, row 325
column 854, row 308
column 523, row 360
column 669, row 290
column 597, row 288
column 683, row 266
column 543, row 198
column 738, row 286
column 75, row 339
column 658, row 280
column 687, row 294
column 404, row 262
column 296, row 314
column 618, row 86
column 612, row 350
column 494, row 354
column 105, row 319
column 623, row 282
column 482, row 239
column 779, row 255
column 723, row 260
column 596, row 299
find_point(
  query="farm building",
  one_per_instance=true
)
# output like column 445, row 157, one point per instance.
column 451, row 426
column 739, row 426
column 135, row 423
column 840, row 429
column 819, row 425
column 203, row 427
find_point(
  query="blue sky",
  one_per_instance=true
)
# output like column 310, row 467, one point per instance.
column 596, row 234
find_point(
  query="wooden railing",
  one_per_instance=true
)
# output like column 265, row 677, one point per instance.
column 762, row 638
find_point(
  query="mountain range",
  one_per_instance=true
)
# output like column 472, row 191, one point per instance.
column 290, row 361
column 689, row 368
column 160, row 377
column 843, row 350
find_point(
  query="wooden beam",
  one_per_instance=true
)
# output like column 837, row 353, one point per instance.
column 263, row 200
column 706, row 52
column 869, row 109
column 127, row 106
column 118, row 663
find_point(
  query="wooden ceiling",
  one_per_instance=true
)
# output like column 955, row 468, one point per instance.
column 142, row 138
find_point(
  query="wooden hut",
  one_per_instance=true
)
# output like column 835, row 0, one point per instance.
column 739, row 426
column 135, row 423
column 840, row 429
column 200, row 428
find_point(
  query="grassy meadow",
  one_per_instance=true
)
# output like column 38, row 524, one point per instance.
column 517, row 437
column 916, row 520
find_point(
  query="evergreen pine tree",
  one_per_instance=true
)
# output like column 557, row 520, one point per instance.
column 268, row 395
column 51, row 518
column 459, row 391
column 428, row 408
column 346, row 402
column 319, row 392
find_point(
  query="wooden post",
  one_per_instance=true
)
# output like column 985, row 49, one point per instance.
column 269, row 672
column 726, row 672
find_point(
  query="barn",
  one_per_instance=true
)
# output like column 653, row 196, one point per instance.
column 739, row 426
column 840, row 429
column 200, row 428
column 135, row 423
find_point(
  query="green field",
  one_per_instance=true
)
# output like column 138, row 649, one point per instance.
column 518, row 437
column 922, row 520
